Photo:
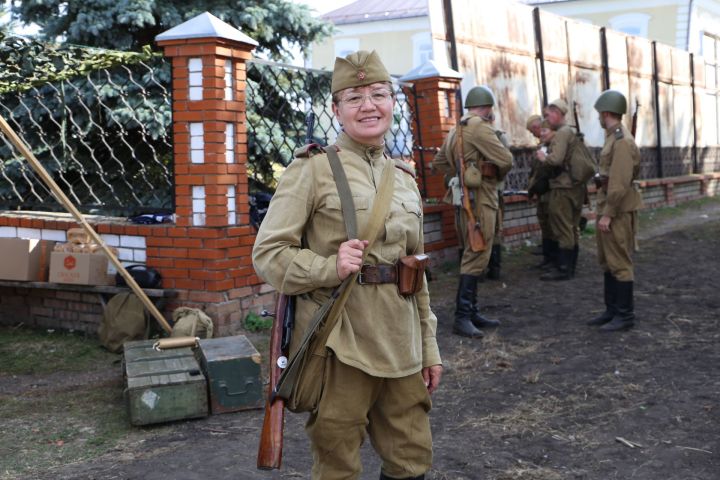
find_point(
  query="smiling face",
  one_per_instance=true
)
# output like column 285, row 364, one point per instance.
column 368, row 122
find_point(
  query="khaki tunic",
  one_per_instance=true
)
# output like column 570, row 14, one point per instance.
column 566, row 197
column 480, row 144
column 620, row 162
column 538, row 169
column 380, row 332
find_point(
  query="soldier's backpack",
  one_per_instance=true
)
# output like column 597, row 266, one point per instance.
column 582, row 165
column 123, row 320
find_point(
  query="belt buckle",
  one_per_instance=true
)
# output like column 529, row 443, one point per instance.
column 360, row 278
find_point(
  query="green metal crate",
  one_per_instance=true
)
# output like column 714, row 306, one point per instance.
column 162, row 386
column 232, row 366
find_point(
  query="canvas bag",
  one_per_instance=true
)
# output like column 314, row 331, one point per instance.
column 301, row 382
column 582, row 165
column 123, row 320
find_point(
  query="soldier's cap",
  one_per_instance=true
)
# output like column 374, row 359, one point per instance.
column 545, row 124
column 532, row 119
column 357, row 70
column 560, row 104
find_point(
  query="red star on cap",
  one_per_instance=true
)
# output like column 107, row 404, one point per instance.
column 361, row 75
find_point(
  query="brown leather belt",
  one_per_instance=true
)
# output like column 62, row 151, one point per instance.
column 489, row 170
column 377, row 274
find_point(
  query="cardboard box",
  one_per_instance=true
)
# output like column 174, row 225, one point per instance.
column 79, row 268
column 25, row 260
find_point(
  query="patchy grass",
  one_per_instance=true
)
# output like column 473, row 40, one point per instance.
column 30, row 352
column 662, row 214
column 54, row 419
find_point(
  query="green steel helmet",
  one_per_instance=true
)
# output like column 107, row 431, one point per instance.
column 480, row 96
column 611, row 101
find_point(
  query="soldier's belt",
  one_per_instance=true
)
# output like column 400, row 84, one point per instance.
column 489, row 170
column 373, row 274
column 408, row 274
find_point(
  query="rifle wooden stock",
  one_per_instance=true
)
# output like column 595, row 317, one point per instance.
column 475, row 238
column 271, row 439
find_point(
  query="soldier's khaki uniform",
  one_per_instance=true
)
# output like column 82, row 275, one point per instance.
column 566, row 197
column 620, row 162
column 481, row 144
column 537, row 169
column 382, row 340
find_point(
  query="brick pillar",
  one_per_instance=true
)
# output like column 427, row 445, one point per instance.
column 435, row 91
column 207, row 256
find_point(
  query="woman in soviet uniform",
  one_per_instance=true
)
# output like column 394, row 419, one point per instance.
column 484, row 151
column 617, row 205
column 383, row 359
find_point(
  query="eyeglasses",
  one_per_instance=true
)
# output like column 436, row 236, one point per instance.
column 379, row 97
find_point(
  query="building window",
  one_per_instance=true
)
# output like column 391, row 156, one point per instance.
column 631, row 23
column 711, row 105
column 346, row 46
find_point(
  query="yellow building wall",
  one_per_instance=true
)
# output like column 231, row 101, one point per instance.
column 392, row 41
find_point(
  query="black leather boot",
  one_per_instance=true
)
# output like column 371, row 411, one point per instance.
column 385, row 477
column 478, row 320
column 624, row 318
column 463, row 325
column 493, row 271
column 564, row 265
column 609, row 295
column 549, row 251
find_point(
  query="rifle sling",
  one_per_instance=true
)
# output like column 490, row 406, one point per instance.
column 327, row 316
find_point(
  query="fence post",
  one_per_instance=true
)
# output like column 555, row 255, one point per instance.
column 208, row 259
column 435, row 91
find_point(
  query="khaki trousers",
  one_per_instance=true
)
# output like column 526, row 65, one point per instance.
column 616, row 246
column 393, row 412
column 475, row 263
column 565, row 209
column 543, row 216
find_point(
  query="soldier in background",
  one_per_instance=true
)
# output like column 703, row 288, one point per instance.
column 538, row 190
column 483, row 152
column 617, row 205
column 495, row 261
column 566, row 195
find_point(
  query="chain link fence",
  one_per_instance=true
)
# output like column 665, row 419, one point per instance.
column 104, row 137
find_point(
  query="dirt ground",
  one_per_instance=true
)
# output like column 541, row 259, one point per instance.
column 542, row 398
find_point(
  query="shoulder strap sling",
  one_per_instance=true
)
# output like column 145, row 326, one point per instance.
column 346, row 200
column 327, row 316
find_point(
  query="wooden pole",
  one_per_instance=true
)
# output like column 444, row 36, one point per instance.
column 40, row 170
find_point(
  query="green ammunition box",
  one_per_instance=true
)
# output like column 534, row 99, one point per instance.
column 232, row 366
column 162, row 386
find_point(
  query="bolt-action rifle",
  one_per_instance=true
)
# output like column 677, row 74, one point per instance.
column 474, row 232
column 271, row 439
column 633, row 127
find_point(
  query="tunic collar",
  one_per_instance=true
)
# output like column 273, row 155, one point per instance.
column 368, row 152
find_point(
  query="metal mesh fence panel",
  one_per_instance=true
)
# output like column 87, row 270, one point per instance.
column 104, row 137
